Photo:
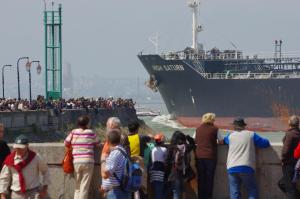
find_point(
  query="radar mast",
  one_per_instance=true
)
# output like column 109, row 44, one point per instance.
column 194, row 5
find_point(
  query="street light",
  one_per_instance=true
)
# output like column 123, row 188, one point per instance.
column 18, row 73
column 7, row 65
column 38, row 70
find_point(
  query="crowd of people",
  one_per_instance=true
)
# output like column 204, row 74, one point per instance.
column 143, row 166
column 74, row 103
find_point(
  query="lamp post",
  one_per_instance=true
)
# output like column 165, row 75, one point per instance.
column 38, row 70
column 3, row 67
column 18, row 73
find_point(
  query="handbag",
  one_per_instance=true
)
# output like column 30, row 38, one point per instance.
column 67, row 163
column 189, row 174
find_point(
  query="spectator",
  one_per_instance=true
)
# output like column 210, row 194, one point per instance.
column 112, row 123
column 241, row 159
column 297, row 152
column 137, row 145
column 297, row 167
column 4, row 149
column 137, row 142
column 207, row 137
column 83, row 142
column 113, row 167
column 178, row 163
column 24, row 173
column 290, row 142
column 60, row 104
column 157, row 169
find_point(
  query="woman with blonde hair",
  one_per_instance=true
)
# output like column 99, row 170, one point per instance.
column 206, row 154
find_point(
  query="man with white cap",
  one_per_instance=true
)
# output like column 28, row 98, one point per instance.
column 24, row 173
column 241, row 159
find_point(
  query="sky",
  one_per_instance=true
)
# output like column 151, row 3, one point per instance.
column 102, row 37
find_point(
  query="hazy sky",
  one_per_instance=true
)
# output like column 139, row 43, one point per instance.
column 103, row 37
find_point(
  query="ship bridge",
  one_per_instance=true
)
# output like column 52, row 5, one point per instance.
column 230, row 64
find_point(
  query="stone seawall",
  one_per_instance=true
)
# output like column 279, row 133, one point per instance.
column 268, row 173
column 52, row 121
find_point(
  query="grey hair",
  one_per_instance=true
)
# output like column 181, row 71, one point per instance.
column 113, row 123
column 294, row 121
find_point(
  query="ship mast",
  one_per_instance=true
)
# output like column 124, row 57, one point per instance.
column 194, row 5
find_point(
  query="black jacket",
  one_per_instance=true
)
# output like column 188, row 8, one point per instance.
column 4, row 151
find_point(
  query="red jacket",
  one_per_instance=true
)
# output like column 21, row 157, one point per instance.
column 297, row 152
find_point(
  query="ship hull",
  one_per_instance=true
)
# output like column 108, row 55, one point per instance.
column 266, row 124
column 266, row 104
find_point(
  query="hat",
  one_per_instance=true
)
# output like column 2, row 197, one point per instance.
column 21, row 142
column 208, row 118
column 239, row 122
column 159, row 137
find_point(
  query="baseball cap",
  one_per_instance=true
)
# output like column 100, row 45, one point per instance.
column 21, row 142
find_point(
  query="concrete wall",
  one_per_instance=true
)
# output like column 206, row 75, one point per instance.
column 51, row 120
column 268, row 173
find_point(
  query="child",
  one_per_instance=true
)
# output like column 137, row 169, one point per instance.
column 157, row 169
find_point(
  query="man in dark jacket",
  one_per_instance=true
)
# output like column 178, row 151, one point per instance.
column 4, row 149
column 290, row 142
column 206, row 155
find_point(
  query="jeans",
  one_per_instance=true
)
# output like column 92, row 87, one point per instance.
column 206, row 172
column 158, row 189
column 248, row 180
column 178, row 188
column 289, row 186
column 118, row 194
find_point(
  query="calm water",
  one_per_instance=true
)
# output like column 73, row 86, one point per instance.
column 163, row 124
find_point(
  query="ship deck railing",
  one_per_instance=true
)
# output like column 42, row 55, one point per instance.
column 233, row 61
column 271, row 75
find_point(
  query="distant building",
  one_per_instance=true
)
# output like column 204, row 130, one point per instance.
column 67, row 81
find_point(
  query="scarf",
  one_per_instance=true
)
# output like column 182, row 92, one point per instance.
column 9, row 161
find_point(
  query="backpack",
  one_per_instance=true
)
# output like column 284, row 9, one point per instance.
column 147, row 154
column 131, row 181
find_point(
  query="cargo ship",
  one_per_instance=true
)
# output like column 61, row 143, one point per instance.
column 263, row 90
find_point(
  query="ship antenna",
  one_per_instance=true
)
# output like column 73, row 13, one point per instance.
column 154, row 40
column 236, row 49
column 194, row 5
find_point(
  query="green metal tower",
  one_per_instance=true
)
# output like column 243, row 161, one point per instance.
column 53, row 53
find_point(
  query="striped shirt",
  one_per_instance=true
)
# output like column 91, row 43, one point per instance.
column 83, row 143
column 157, row 170
column 115, row 163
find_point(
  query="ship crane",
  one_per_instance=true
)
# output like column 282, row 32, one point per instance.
column 194, row 5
